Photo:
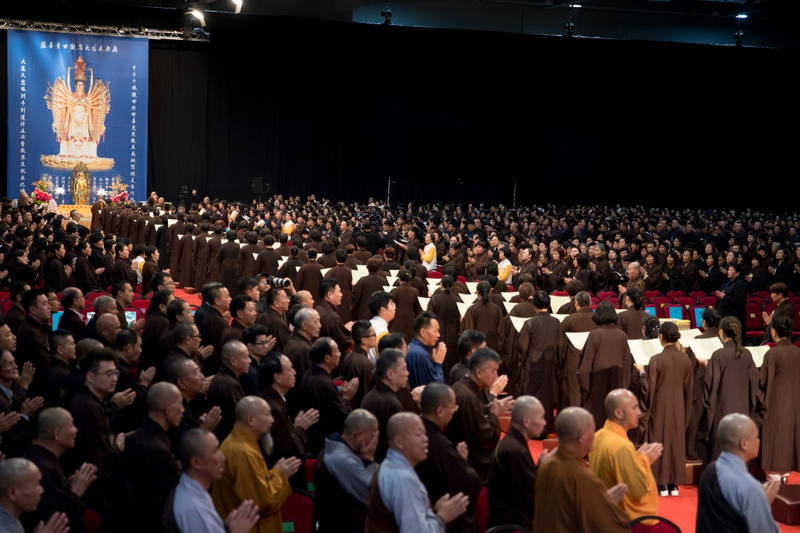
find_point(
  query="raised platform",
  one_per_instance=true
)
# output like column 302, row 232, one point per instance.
column 84, row 210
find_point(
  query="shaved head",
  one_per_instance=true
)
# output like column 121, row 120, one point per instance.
column 615, row 400
column 359, row 420
column 734, row 428
column 399, row 424
column 524, row 406
column 573, row 421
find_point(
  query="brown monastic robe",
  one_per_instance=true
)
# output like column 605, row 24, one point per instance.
column 780, row 398
column 570, row 358
column 666, row 395
column 606, row 365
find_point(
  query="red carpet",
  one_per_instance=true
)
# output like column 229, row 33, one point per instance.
column 682, row 509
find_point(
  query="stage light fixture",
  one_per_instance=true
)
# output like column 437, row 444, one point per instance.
column 238, row 4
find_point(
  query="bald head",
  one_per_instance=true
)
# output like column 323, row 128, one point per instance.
column 15, row 472
column 84, row 346
column 108, row 326
column 359, row 420
column 249, row 406
column 399, row 424
column 51, row 419
column 733, row 430
column 525, row 406
column 161, row 394
column 617, row 399
column 571, row 422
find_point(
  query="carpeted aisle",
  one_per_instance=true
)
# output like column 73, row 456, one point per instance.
column 682, row 509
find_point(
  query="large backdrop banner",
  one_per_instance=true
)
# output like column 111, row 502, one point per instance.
column 77, row 116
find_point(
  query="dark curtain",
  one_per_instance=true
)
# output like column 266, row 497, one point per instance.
column 338, row 109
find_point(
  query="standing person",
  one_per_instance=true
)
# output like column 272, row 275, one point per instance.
column 245, row 474
column 512, row 478
column 696, row 447
column 729, row 499
column 537, row 350
column 779, row 293
column 614, row 459
column 398, row 501
column 444, row 305
column 227, row 258
column 484, row 315
column 779, row 394
column 425, row 352
column 20, row 492
column 570, row 357
column 666, row 390
column 731, row 382
column 732, row 298
column 575, row 497
column 476, row 421
column 607, row 363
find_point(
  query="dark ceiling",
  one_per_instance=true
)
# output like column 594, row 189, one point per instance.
column 770, row 23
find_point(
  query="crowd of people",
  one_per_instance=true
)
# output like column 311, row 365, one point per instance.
column 378, row 341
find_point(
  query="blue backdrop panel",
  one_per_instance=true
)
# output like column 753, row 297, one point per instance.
column 76, row 100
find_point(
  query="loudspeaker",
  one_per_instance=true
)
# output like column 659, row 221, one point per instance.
column 258, row 185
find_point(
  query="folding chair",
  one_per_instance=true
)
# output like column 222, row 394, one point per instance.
column 297, row 512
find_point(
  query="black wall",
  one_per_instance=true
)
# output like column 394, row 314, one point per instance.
column 335, row 109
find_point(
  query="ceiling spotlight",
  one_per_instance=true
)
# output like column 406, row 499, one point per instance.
column 199, row 15
column 741, row 16
column 238, row 4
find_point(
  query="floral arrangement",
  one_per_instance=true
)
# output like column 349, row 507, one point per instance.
column 43, row 190
column 118, row 190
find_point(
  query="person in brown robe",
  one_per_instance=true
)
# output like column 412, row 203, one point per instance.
column 344, row 276
column 536, row 352
column 121, row 269
column 512, row 478
column 274, row 317
column 200, row 254
column 329, row 297
column 570, row 357
column 247, row 256
column 444, row 305
column 476, row 421
column 445, row 470
column 484, row 315
column 173, row 231
column 696, row 448
column 779, row 293
column 526, row 265
column 186, row 262
column 357, row 363
column 523, row 309
column 606, row 364
column 227, row 258
column 406, row 298
column 309, row 276
column 364, row 288
column 97, row 219
column 630, row 320
column 731, row 383
column 476, row 265
column 267, row 260
column 574, row 497
column 214, row 245
column 666, row 397
column 779, row 398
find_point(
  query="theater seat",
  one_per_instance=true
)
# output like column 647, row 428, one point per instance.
column 297, row 512
column 659, row 525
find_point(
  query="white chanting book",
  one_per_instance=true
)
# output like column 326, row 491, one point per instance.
column 643, row 350
column 323, row 271
column 557, row 301
column 423, row 302
column 758, row 353
column 393, row 272
column 433, row 282
column 276, row 245
column 518, row 322
column 468, row 298
column 560, row 317
column 255, row 256
column 462, row 308
column 472, row 286
column 688, row 334
column 578, row 338
column 509, row 306
column 171, row 221
column 704, row 348
column 357, row 275
column 509, row 295
column 391, row 280
column 361, row 268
